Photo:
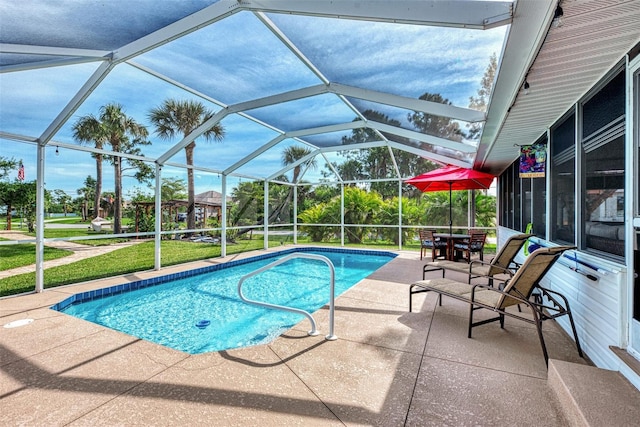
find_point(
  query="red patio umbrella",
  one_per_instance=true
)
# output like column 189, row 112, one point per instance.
column 451, row 178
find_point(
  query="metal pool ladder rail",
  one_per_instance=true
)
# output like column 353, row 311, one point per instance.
column 313, row 330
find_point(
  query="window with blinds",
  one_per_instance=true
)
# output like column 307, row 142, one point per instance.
column 603, row 131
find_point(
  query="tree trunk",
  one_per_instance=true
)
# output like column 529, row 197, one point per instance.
column 98, row 195
column 191, row 208
column 117, row 208
column 9, row 217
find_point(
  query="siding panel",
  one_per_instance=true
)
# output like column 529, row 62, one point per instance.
column 596, row 305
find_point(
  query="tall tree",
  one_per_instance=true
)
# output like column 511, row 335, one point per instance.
column 172, row 189
column 292, row 154
column 62, row 200
column 183, row 117
column 87, row 193
column 113, row 127
column 481, row 101
column 88, row 129
column 6, row 165
column 21, row 196
column 376, row 162
column 9, row 194
column 443, row 127
column 8, row 190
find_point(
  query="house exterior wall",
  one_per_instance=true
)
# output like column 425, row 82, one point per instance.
column 598, row 306
column 599, row 288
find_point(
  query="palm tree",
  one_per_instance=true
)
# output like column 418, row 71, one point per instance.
column 294, row 153
column 87, row 129
column 175, row 116
column 122, row 133
column 291, row 155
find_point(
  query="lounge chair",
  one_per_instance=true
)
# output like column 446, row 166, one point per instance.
column 517, row 291
column 100, row 224
column 502, row 263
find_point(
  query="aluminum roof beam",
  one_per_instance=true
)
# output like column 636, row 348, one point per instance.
column 36, row 65
column 103, row 70
column 60, row 56
column 278, row 98
column 25, row 49
column 186, row 25
column 472, row 14
column 430, row 155
column 429, row 139
column 427, row 107
column 465, row 14
column 293, row 165
column 291, row 46
column 454, row 145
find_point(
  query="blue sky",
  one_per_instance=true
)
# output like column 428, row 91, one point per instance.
column 234, row 60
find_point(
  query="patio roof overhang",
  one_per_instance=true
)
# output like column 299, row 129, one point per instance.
column 560, row 63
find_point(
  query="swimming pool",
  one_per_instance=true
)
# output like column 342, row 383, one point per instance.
column 199, row 311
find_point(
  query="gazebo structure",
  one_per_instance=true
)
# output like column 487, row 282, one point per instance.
column 208, row 205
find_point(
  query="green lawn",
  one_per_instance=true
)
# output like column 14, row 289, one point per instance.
column 67, row 220
column 122, row 261
column 55, row 233
column 141, row 257
column 13, row 256
column 19, row 255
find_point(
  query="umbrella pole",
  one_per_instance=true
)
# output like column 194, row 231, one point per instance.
column 450, row 211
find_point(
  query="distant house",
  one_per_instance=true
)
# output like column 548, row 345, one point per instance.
column 209, row 204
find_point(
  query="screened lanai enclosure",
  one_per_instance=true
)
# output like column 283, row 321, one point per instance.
column 189, row 130
column 301, row 116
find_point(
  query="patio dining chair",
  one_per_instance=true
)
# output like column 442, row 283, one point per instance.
column 501, row 264
column 517, row 291
column 474, row 244
column 437, row 246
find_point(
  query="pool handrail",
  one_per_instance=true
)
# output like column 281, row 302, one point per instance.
column 305, row 313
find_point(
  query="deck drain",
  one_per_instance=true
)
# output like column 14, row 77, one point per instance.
column 18, row 323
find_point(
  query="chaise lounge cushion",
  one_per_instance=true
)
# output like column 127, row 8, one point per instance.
column 475, row 268
column 462, row 291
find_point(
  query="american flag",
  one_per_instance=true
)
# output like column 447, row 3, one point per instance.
column 21, row 172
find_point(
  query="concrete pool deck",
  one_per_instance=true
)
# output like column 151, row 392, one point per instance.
column 388, row 367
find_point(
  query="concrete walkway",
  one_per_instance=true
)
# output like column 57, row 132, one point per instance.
column 80, row 252
column 388, row 368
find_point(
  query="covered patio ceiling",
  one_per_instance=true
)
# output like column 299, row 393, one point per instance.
column 284, row 72
column 563, row 64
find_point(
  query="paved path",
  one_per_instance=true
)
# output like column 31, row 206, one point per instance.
column 79, row 252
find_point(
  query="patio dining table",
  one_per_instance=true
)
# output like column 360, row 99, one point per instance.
column 451, row 239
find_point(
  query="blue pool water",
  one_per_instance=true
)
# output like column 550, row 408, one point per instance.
column 203, row 313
